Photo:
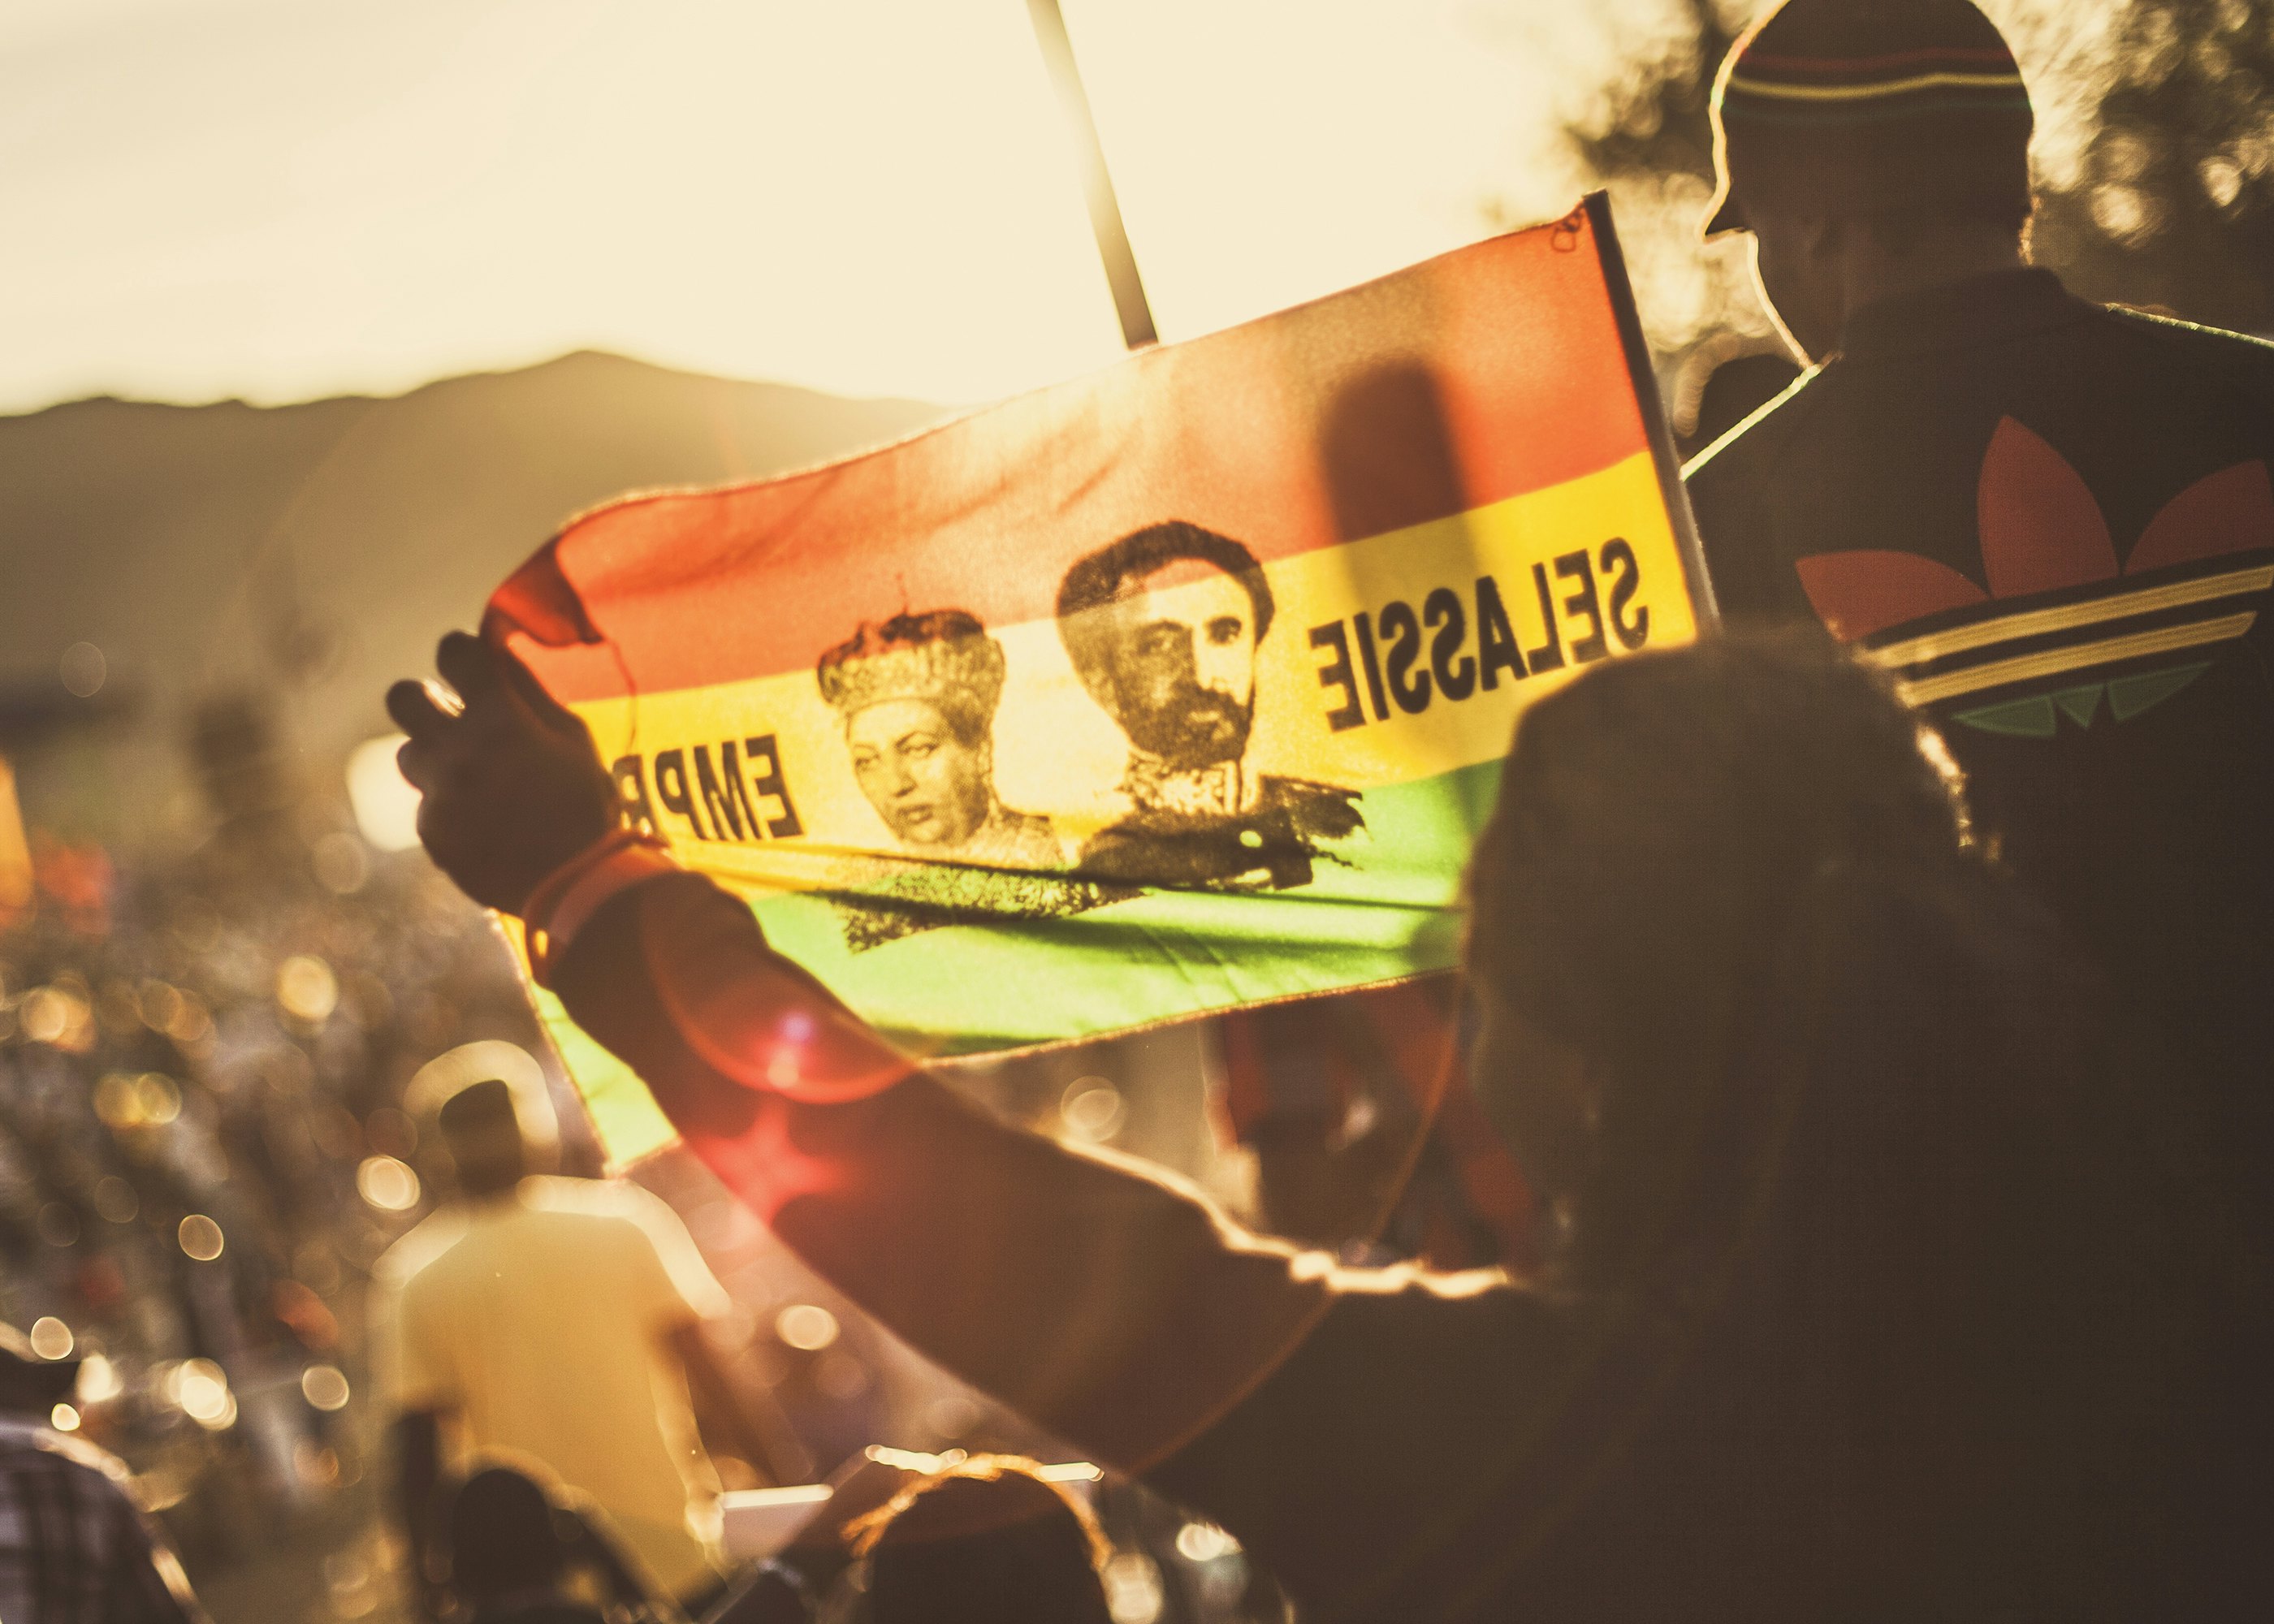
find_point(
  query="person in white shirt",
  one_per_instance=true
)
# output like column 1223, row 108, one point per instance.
column 555, row 1322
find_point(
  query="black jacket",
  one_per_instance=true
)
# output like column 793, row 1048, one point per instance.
column 2052, row 522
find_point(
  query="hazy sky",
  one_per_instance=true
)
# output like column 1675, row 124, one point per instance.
column 279, row 198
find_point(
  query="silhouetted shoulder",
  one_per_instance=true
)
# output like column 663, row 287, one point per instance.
column 1393, row 1422
column 1727, row 484
column 2237, row 358
column 604, row 1198
column 430, row 1238
column 1757, row 436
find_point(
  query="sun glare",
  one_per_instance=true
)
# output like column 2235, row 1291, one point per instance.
column 266, row 199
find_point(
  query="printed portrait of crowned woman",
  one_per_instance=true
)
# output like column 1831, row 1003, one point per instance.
column 918, row 694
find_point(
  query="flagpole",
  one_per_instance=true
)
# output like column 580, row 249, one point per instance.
column 1137, row 330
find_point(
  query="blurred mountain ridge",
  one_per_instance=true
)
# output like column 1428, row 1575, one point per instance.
column 305, row 554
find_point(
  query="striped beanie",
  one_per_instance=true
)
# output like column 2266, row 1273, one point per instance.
column 1848, row 107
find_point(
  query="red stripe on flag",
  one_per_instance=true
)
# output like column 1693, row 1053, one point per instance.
column 1478, row 376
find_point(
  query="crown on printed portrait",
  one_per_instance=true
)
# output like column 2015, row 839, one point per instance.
column 943, row 655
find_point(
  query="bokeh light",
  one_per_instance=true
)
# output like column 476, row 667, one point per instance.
column 52, row 1338
column 1093, row 1109
column 157, row 1098
column 59, row 1224
column 83, row 669
column 952, row 1414
column 841, row 1377
column 1133, row 1588
column 115, row 1200
column 324, row 1387
column 58, row 1015
column 200, row 1388
column 1204, row 1542
column 123, row 1102
column 118, row 1101
column 341, row 862
column 160, row 1005
column 306, row 988
column 64, row 1418
column 99, row 1380
column 386, row 1184
column 200, row 1237
column 807, row 1326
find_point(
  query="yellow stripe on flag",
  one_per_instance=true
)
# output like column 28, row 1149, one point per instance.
column 1597, row 552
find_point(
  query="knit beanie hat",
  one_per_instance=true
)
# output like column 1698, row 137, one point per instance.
column 1852, row 107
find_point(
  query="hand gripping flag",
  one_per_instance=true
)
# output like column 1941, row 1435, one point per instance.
column 1171, row 689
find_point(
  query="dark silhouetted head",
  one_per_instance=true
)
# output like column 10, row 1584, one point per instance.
column 1658, row 821
column 503, row 1537
column 984, row 1541
column 1904, row 123
column 483, row 1136
column 1863, row 107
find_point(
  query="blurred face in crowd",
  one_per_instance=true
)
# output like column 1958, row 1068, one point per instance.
column 1183, row 663
column 930, row 787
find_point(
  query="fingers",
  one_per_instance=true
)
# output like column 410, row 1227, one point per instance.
column 428, row 713
column 426, row 710
column 503, row 773
column 416, row 764
column 484, row 674
column 467, row 665
column 417, row 708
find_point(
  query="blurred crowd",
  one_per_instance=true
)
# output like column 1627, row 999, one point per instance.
column 202, row 1153
column 210, row 1136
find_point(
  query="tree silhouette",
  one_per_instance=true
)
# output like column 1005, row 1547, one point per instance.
column 1642, row 132
column 1657, row 122
column 2174, row 204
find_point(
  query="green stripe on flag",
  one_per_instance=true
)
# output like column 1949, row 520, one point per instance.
column 1160, row 956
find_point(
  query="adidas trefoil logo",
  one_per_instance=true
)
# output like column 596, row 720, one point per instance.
column 2059, row 625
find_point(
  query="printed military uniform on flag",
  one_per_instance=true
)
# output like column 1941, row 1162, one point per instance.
column 1177, row 688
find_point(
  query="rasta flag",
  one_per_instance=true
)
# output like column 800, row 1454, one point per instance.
column 1167, row 690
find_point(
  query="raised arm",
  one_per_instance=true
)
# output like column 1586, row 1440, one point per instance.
column 1336, row 1420
column 1109, row 1305
column 1105, row 1304
column 1112, row 1306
